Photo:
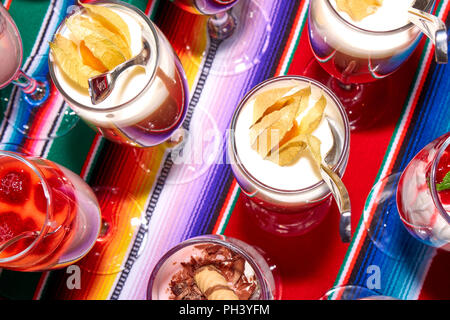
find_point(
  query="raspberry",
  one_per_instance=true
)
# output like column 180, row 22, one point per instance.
column 10, row 225
column 15, row 187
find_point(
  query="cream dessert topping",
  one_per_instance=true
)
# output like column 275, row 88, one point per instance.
column 131, row 85
column 295, row 167
column 374, row 15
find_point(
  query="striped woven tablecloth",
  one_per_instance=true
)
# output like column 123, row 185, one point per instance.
column 178, row 203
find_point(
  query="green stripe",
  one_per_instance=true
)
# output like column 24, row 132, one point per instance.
column 296, row 42
column 152, row 14
column 72, row 149
column 228, row 215
column 29, row 25
column 384, row 162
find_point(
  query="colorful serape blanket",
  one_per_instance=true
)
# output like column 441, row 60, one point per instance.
column 178, row 202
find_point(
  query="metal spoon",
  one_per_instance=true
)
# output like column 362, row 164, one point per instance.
column 337, row 187
column 101, row 86
column 433, row 28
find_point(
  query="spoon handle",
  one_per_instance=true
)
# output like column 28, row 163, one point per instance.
column 101, row 85
column 434, row 29
column 342, row 198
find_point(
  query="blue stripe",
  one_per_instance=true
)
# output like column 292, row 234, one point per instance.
column 432, row 119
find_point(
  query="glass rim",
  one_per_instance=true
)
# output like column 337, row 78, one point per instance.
column 48, row 196
column 433, row 188
column 153, row 32
column 215, row 239
column 372, row 32
column 340, row 107
column 16, row 29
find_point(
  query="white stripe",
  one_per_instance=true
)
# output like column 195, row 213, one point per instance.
column 296, row 38
column 90, row 163
column 384, row 170
column 227, row 212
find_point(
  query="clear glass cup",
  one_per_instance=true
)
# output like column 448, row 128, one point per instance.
column 424, row 210
column 354, row 58
column 289, row 212
column 352, row 292
column 147, row 107
column 265, row 272
column 49, row 217
column 26, row 99
column 143, row 113
column 412, row 204
column 230, row 24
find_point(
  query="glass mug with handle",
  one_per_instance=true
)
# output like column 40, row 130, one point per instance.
column 149, row 101
column 355, row 53
column 415, row 202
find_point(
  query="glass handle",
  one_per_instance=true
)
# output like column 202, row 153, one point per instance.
column 26, row 83
column 434, row 29
column 222, row 25
column 36, row 91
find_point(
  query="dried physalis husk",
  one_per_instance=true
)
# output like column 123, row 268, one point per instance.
column 66, row 55
column 273, row 121
column 101, row 47
column 313, row 117
column 265, row 99
column 313, row 144
column 289, row 152
column 87, row 26
column 267, row 134
column 263, row 109
column 359, row 9
column 89, row 59
column 110, row 20
column 277, row 136
column 265, row 122
column 300, row 137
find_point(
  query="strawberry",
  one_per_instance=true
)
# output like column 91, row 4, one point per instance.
column 10, row 225
column 15, row 187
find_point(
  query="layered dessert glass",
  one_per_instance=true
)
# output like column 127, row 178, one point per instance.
column 413, row 202
column 423, row 194
column 213, row 267
column 49, row 217
column 356, row 50
column 148, row 103
column 288, row 199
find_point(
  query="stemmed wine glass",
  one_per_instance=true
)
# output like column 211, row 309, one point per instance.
column 351, row 59
column 416, row 200
column 29, row 98
column 242, row 28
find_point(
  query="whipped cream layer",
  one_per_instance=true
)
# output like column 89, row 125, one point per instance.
column 393, row 14
column 136, row 94
column 302, row 174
